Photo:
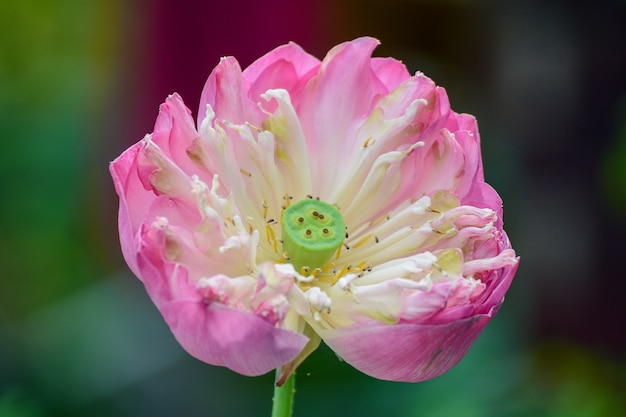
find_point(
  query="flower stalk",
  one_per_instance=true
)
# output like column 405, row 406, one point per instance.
column 283, row 398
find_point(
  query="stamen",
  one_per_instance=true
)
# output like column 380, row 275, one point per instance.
column 362, row 241
column 244, row 172
column 338, row 252
column 265, row 207
column 329, row 267
column 368, row 142
column 287, row 199
column 271, row 237
column 412, row 147
column 379, row 220
column 250, row 125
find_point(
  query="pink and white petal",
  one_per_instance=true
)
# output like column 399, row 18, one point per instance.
column 159, row 174
column 390, row 72
column 482, row 195
column 500, row 281
column 290, row 144
column 175, row 131
column 170, row 234
column 471, row 153
column 438, row 165
column 468, row 123
column 395, row 124
column 222, row 336
column 342, row 93
column 223, row 91
column 405, row 352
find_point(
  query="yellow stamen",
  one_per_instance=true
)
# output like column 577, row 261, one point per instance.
column 271, row 236
column 265, row 207
column 362, row 241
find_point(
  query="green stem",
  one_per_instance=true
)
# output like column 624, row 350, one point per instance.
column 283, row 398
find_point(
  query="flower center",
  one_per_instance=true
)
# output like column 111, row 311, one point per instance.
column 312, row 231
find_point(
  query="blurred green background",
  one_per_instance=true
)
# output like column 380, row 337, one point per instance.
column 80, row 81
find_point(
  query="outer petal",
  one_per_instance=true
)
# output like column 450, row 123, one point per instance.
column 211, row 331
column 287, row 67
column 133, row 202
column 237, row 340
column 406, row 352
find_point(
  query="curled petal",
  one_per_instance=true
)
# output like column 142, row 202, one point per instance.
column 238, row 340
column 133, row 204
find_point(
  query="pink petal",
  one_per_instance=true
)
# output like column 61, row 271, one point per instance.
column 406, row 352
column 482, row 195
column 174, row 132
column 390, row 72
column 342, row 93
column 467, row 122
column 210, row 331
column 237, row 340
column 284, row 67
column 133, row 202
column 223, row 91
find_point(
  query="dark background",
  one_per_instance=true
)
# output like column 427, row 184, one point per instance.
column 81, row 81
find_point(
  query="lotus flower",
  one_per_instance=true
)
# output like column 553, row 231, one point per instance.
column 340, row 200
